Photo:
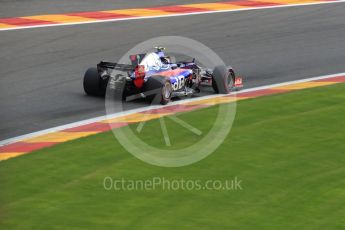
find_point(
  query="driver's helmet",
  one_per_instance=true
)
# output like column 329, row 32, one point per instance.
column 152, row 62
column 160, row 51
column 160, row 54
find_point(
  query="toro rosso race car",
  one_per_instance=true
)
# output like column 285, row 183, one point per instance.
column 154, row 76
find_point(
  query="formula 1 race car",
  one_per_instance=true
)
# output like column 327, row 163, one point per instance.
column 154, row 76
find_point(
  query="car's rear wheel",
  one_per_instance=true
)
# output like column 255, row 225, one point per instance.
column 223, row 80
column 158, row 90
column 93, row 83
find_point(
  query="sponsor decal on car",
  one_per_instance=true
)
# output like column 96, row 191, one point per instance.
column 177, row 82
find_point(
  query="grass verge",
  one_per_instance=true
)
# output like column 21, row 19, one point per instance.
column 287, row 150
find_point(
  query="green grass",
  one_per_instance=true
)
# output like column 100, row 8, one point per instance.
column 288, row 150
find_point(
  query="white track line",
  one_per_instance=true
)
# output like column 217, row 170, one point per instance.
column 170, row 15
column 132, row 111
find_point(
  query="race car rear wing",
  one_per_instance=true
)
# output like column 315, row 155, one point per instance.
column 115, row 66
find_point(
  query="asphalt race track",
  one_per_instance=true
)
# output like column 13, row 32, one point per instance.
column 41, row 69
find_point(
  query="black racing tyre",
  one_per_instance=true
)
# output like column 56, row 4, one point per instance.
column 222, row 80
column 92, row 83
column 158, row 90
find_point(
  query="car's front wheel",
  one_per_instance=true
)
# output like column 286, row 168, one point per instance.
column 222, row 80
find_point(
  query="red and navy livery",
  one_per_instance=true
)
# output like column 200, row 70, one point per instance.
column 153, row 76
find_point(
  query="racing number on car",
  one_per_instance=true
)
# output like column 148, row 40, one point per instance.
column 179, row 82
